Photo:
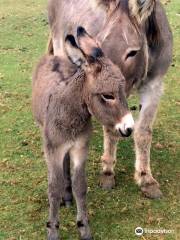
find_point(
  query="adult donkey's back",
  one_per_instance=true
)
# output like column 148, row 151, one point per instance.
column 135, row 35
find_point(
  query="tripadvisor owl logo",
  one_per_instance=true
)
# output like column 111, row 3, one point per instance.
column 139, row 231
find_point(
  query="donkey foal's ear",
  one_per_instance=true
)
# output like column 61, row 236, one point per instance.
column 88, row 45
column 73, row 51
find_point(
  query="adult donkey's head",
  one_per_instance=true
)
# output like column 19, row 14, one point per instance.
column 104, row 86
column 130, row 28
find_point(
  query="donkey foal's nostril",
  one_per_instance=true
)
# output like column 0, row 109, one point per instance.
column 128, row 131
column 125, row 127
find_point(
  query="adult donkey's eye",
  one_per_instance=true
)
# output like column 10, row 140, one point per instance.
column 131, row 53
column 107, row 97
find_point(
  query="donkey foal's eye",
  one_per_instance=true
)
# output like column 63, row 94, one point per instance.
column 107, row 97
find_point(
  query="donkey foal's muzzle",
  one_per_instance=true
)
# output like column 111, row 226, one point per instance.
column 126, row 126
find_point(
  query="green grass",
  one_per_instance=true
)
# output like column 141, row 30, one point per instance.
column 23, row 201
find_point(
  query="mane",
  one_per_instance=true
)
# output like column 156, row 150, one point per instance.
column 123, row 5
column 151, row 27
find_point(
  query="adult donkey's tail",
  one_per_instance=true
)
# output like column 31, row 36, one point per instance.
column 49, row 49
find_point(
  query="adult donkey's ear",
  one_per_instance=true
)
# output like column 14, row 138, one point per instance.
column 108, row 5
column 74, row 53
column 88, row 46
column 141, row 9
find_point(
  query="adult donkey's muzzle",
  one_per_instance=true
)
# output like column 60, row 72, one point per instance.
column 126, row 126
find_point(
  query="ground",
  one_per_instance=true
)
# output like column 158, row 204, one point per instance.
column 23, row 199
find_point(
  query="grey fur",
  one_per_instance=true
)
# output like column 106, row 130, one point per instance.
column 142, row 49
column 121, row 32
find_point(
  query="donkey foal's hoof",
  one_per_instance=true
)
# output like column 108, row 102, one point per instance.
column 152, row 191
column 84, row 230
column 53, row 237
column 107, row 181
column 52, row 231
column 87, row 238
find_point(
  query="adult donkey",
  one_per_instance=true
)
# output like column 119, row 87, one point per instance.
column 135, row 35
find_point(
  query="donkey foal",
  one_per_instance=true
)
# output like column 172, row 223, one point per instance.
column 67, row 90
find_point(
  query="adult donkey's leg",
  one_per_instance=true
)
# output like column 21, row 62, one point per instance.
column 54, row 158
column 67, row 182
column 149, row 98
column 107, row 179
column 78, row 156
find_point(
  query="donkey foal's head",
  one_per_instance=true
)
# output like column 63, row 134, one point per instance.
column 104, row 84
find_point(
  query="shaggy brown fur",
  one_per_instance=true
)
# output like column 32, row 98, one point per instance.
column 66, row 92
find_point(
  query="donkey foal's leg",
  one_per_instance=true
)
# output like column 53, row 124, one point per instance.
column 55, row 189
column 78, row 156
column 107, row 179
column 150, row 95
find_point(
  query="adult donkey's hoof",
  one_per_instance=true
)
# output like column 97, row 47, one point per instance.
column 68, row 204
column 107, row 181
column 152, row 191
